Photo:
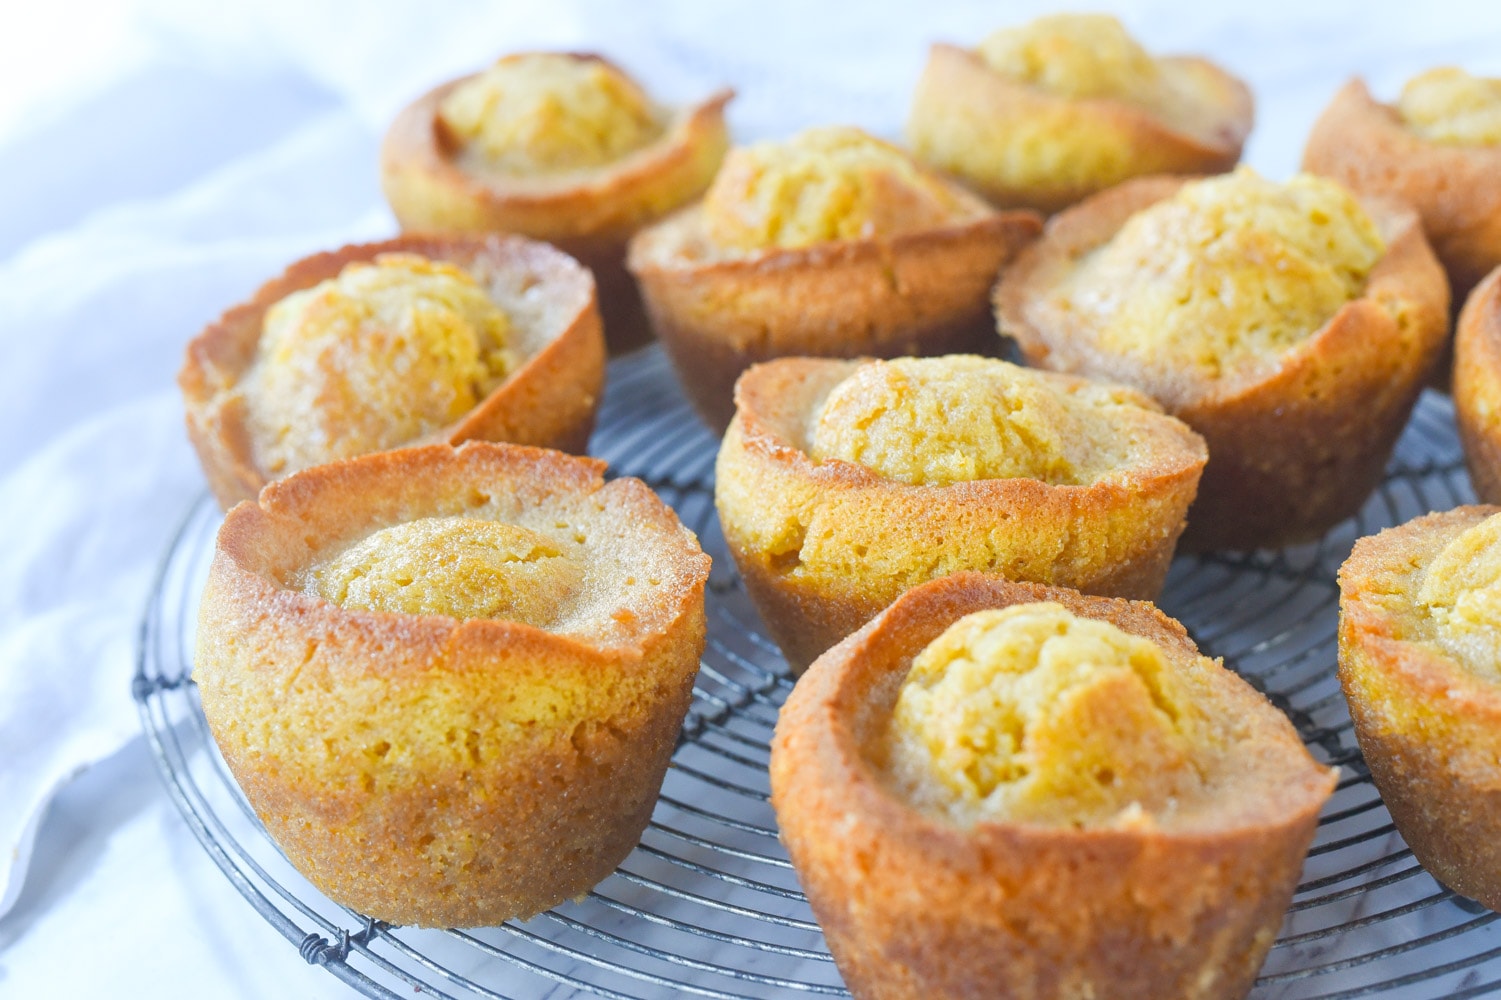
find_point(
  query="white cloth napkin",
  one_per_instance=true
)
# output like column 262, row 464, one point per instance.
column 158, row 160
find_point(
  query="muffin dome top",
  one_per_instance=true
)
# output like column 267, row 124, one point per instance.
column 385, row 352
column 1075, row 55
column 1449, row 106
column 1032, row 713
column 822, row 185
column 1225, row 275
column 548, row 113
column 1460, row 596
column 462, row 567
column 1092, row 56
column 938, row 421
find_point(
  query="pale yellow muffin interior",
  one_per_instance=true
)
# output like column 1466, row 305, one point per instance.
column 1461, row 595
column 1075, row 55
column 937, row 421
column 549, row 113
column 1448, row 105
column 822, row 185
column 1227, row 275
column 1033, row 714
column 463, row 567
column 1092, row 56
column 378, row 356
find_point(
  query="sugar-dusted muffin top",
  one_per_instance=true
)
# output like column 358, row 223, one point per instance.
column 549, row 113
column 462, row 567
column 1034, row 714
column 1459, row 599
column 937, row 421
column 1226, row 275
column 822, row 185
column 382, row 354
column 1450, row 106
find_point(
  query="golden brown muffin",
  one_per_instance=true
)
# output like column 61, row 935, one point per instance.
column 386, row 344
column 1289, row 324
column 449, row 679
column 1059, row 799
column 1438, row 149
column 1042, row 115
column 1420, row 663
column 830, row 244
column 841, row 484
column 1477, row 386
column 563, row 147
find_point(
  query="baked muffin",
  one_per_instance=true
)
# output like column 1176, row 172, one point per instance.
column 830, row 244
column 1420, row 663
column 1290, row 324
column 563, row 147
column 1042, row 115
column 841, row 484
column 1438, row 149
column 386, row 344
column 1477, row 386
column 449, row 679
column 1007, row 790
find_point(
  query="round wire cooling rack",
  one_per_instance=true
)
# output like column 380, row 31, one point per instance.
column 708, row 905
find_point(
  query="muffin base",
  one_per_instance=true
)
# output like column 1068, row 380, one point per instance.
column 915, row 907
column 1114, row 537
column 1295, row 449
column 1429, row 730
column 424, row 770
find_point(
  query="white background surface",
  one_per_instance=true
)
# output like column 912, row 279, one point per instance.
column 159, row 160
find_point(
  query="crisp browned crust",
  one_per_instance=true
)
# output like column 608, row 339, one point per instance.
column 1430, row 730
column 1477, row 386
column 919, row 293
column 960, row 100
column 590, row 216
column 1291, row 453
column 915, row 907
column 1114, row 537
column 550, row 400
column 381, row 750
column 1456, row 189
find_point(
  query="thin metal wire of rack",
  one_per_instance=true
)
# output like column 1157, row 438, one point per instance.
column 708, row 905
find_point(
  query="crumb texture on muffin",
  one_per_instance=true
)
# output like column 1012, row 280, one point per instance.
column 547, row 113
column 1084, row 56
column 823, row 185
column 1076, row 55
column 1033, row 714
column 1448, row 105
column 937, row 421
column 382, row 354
column 1446, row 594
column 1046, row 113
column 462, row 567
column 1227, row 274
column 1461, row 595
